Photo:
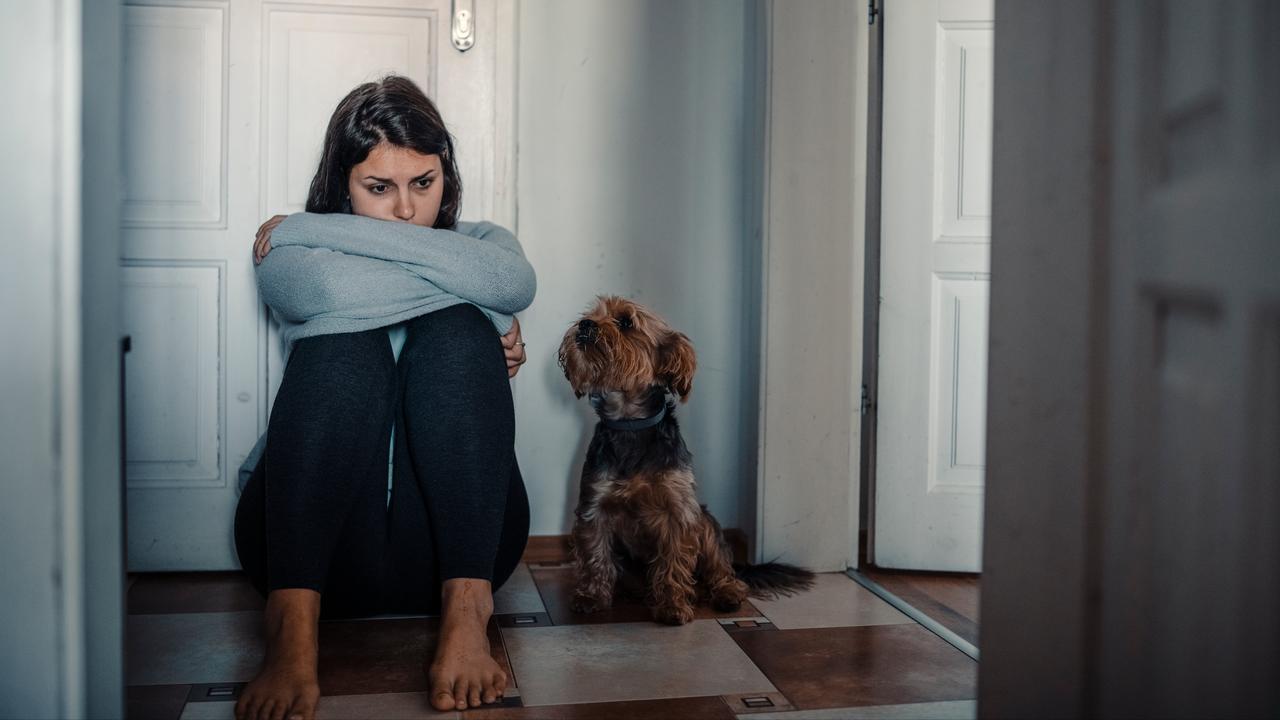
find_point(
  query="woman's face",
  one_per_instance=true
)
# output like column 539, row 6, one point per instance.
column 396, row 183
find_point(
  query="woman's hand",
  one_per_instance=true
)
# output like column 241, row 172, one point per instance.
column 514, row 347
column 262, row 243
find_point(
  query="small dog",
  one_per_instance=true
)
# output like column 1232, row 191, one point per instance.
column 637, row 502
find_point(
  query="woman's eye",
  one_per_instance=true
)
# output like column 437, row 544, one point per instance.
column 375, row 189
column 624, row 323
column 424, row 183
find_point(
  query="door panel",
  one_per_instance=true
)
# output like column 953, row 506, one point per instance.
column 1191, row 432
column 935, row 283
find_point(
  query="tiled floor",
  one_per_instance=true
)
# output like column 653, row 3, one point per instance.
column 951, row 599
column 834, row 652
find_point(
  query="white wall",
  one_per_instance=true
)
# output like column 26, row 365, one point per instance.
column 631, row 178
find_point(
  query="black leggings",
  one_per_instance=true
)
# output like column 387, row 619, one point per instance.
column 315, row 513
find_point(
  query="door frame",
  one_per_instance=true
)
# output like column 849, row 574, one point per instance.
column 864, row 551
column 808, row 454
column 64, row 592
column 1040, row 589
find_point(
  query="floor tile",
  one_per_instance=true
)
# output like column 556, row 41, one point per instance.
column 947, row 710
column 834, row 601
column 383, row 706
column 854, row 666
column 556, row 587
column 629, row 661
column 209, row 711
column 155, row 702
column 192, row 592
column 703, row 708
column 388, row 656
column 188, row 648
column 362, row 657
column 519, row 594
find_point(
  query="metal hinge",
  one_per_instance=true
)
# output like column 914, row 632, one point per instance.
column 866, row 401
column 872, row 12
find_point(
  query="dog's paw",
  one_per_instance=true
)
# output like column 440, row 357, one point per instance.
column 729, row 597
column 586, row 604
column 673, row 614
column 725, row 604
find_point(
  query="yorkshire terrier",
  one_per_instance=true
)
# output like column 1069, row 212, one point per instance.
column 637, row 503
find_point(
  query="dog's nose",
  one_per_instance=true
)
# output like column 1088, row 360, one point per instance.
column 587, row 332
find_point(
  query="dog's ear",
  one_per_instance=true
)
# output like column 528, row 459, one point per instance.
column 676, row 363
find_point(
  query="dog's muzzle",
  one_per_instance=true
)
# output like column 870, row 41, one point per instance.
column 588, row 332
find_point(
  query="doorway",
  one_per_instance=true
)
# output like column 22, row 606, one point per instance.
column 205, row 163
column 927, row 290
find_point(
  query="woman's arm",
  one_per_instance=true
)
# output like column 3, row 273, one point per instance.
column 480, row 262
column 302, row 283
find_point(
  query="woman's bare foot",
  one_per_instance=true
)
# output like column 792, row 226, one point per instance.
column 287, row 687
column 463, row 673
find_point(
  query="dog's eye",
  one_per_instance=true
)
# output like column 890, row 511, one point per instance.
column 624, row 322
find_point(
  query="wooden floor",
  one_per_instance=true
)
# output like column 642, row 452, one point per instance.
column 951, row 599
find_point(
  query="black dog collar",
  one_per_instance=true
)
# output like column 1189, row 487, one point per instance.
column 631, row 423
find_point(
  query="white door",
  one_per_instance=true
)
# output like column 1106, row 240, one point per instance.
column 224, row 113
column 935, row 279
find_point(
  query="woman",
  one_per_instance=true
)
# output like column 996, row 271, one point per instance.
column 315, row 518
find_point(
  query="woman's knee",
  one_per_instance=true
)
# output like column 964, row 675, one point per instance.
column 461, row 330
column 342, row 366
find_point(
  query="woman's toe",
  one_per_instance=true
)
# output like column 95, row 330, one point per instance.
column 460, row 695
column 473, row 695
column 442, row 697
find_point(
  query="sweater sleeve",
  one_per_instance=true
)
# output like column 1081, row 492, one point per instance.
column 302, row 283
column 481, row 263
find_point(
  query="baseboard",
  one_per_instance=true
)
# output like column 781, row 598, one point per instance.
column 555, row 548
column 546, row 549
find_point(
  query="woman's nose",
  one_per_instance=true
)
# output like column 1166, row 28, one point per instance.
column 404, row 208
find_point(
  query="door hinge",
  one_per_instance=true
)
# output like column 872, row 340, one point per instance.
column 865, row 405
column 872, row 12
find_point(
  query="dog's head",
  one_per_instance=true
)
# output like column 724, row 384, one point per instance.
column 621, row 345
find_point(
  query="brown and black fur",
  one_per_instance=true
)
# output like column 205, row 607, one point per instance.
column 637, row 505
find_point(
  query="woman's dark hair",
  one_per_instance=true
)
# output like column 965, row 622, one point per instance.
column 393, row 109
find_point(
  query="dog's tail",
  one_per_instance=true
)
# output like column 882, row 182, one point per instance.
column 771, row 579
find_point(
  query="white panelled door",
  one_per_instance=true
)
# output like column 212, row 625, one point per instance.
column 226, row 104
column 935, row 280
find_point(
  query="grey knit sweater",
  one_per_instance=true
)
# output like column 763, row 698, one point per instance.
column 339, row 273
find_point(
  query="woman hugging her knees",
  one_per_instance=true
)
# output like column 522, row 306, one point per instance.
column 387, row 480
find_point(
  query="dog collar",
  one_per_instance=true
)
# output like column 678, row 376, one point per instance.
column 630, row 423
